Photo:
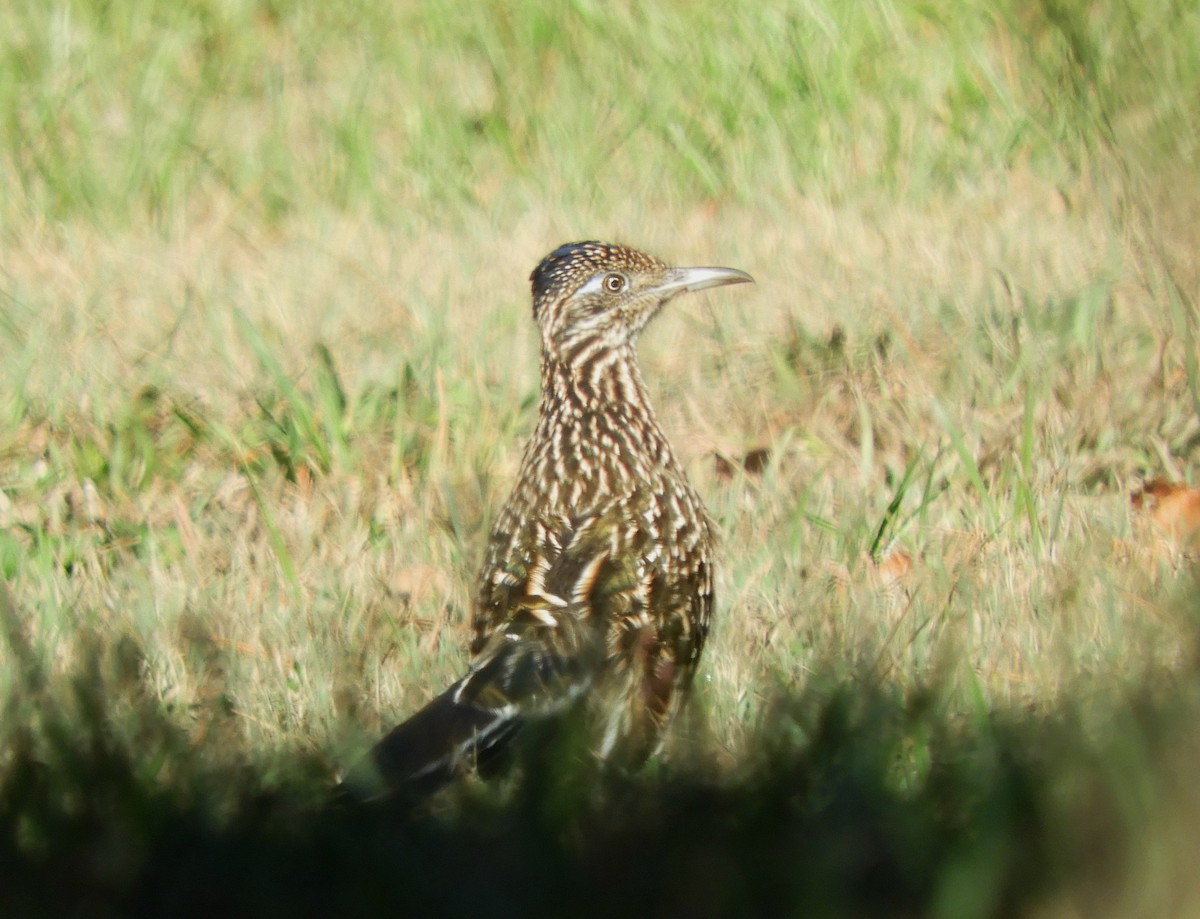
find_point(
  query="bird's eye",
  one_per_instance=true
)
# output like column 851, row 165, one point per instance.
column 614, row 283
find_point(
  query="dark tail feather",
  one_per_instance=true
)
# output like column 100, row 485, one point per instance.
column 533, row 670
column 447, row 736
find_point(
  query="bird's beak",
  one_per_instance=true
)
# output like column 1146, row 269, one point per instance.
column 689, row 280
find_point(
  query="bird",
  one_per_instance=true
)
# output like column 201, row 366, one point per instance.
column 596, row 588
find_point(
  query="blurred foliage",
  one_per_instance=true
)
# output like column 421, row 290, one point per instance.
column 857, row 801
column 117, row 110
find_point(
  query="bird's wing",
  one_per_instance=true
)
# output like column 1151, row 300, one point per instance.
column 547, row 651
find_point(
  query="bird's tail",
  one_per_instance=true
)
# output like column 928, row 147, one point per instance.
column 523, row 674
column 547, row 655
column 449, row 735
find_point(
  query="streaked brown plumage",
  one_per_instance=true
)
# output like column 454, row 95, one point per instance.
column 597, row 583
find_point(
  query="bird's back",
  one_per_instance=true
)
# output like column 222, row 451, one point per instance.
column 605, row 535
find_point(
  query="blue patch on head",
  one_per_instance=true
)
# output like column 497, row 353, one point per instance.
column 557, row 267
column 566, row 250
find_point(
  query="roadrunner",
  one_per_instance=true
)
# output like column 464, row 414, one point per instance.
column 597, row 585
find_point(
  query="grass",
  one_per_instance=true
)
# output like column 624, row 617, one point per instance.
column 268, row 367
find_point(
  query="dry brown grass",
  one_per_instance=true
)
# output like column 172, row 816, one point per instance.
column 864, row 342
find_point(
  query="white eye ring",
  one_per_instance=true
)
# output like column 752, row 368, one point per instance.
column 614, row 283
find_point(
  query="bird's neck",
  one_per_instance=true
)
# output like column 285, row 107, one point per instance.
column 597, row 431
column 605, row 381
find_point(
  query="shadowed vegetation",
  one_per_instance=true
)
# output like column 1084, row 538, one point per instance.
column 856, row 801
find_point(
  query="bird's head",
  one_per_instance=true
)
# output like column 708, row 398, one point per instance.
column 591, row 295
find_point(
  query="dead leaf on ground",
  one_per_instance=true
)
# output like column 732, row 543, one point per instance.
column 304, row 480
column 753, row 463
column 1173, row 506
column 893, row 566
